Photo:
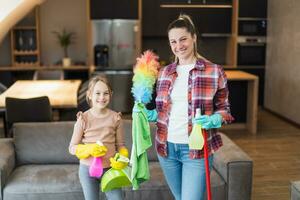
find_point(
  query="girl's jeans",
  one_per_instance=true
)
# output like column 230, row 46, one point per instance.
column 185, row 176
column 91, row 186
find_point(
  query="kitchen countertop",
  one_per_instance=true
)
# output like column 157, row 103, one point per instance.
column 239, row 75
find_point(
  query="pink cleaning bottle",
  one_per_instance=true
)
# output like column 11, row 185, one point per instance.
column 96, row 168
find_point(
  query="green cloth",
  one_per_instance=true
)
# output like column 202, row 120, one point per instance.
column 141, row 141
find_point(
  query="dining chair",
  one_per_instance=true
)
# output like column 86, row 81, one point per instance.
column 37, row 109
column 2, row 110
column 48, row 75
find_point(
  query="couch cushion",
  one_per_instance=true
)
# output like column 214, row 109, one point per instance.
column 218, row 186
column 152, row 156
column 46, row 142
column 45, row 182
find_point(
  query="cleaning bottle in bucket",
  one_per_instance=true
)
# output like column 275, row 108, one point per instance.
column 96, row 168
column 196, row 140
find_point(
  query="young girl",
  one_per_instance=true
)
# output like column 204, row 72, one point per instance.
column 99, row 123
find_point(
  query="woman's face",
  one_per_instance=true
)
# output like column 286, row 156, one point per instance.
column 182, row 44
column 100, row 95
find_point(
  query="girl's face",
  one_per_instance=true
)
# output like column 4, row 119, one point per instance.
column 100, row 96
column 182, row 44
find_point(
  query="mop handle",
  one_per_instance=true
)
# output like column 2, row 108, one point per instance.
column 207, row 173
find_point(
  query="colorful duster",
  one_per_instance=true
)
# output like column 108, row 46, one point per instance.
column 145, row 74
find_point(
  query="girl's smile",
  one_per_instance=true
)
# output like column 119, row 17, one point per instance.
column 100, row 96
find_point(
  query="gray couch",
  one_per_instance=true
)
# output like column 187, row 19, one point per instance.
column 36, row 165
column 295, row 190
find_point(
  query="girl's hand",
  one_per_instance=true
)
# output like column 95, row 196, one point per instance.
column 85, row 150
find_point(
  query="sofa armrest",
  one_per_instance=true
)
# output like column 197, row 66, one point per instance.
column 7, row 161
column 235, row 166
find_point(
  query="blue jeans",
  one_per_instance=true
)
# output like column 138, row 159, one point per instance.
column 185, row 176
column 91, row 186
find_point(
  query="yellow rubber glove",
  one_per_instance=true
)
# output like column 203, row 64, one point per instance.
column 85, row 150
column 119, row 161
column 123, row 151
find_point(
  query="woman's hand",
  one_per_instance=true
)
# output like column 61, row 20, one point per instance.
column 151, row 114
column 208, row 122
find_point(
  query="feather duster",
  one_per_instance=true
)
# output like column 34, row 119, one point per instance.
column 145, row 75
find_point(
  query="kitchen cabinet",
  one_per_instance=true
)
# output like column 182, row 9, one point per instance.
column 213, row 20
column 253, row 8
column 158, row 15
column 113, row 9
column 258, row 71
column 25, row 41
column 243, row 96
column 197, row 2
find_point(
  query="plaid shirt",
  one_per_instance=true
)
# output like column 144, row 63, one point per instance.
column 207, row 85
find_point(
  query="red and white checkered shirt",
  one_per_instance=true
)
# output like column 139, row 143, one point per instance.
column 207, row 86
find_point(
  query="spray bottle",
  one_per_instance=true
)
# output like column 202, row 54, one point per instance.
column 96, row 168
column 196, row 140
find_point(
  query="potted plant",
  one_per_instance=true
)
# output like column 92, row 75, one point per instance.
column 65, row 39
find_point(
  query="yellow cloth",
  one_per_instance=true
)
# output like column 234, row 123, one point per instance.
column 85, row 150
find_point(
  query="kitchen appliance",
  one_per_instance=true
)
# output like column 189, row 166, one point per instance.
column 252, row 26
column 251, row 51
column 116, row 47
column 101, row 55
column 121, row 38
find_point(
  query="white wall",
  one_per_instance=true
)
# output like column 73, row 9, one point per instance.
column 56, row 15
column 282, row 90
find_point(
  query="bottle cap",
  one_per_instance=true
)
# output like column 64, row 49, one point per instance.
column 198, row 112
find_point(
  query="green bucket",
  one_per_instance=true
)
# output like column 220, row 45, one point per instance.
column 115, row 178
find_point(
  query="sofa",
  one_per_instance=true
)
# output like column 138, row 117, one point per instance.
column 295, row 190
column 36, row 165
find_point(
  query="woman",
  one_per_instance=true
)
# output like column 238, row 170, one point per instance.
column 189, row 83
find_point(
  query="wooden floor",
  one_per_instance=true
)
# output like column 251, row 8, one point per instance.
column 275, row 151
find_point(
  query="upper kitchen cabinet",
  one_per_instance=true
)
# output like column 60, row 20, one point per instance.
column 113, row 9
column 25, row 41
column 215, row 20
column 253, row 8
column 159, row 13
column 204, row 3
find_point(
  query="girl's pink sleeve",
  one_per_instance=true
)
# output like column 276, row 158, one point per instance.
column 77, row 134
column 119, row 132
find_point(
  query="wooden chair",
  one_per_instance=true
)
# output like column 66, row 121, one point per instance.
column 48, row 75
column 36, row 109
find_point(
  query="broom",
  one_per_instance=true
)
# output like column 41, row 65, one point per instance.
column 198, row 140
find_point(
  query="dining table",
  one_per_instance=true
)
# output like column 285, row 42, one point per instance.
column 61, row 93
